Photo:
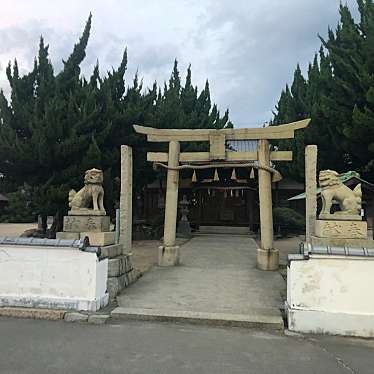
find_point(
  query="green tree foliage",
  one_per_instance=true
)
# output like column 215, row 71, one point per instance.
column 20, row 207
column 57, row 125
column 338, row 95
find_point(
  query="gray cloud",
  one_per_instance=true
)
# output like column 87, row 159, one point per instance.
column 247, row 49
column 259, row 48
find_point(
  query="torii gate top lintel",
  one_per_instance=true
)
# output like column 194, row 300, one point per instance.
column 217, row 139
column 286, row 131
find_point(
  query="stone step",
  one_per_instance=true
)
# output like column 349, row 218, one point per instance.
column 271, row 320
column 223, row 230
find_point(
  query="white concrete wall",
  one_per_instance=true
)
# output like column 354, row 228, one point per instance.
column 52, row 277
column 331, row 294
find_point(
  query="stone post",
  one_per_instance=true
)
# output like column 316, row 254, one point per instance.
column 310, row 190
column 126, row 198
column 267, row 256
column 169, row 253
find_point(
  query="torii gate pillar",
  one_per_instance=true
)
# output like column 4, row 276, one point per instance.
column 168, row 253
column 267, row 256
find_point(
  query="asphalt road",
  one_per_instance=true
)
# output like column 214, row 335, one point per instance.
column 29, row 346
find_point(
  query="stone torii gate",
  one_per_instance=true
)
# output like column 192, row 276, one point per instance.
column 218, row 157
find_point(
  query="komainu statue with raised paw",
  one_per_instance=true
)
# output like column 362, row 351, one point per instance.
column 332, row 188
column 90, row 199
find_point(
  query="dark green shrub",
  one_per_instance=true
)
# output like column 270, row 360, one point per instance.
column 287, row 220
column 20, row 208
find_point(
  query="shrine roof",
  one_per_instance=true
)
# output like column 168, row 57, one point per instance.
column 346, row 178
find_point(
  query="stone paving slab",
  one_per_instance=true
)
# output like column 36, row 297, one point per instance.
column 217, row 278
column 254, row 319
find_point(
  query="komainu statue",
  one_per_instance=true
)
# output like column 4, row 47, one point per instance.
column 332, row 188
column 90, row 199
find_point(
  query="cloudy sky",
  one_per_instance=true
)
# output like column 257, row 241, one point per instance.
column 248, row 49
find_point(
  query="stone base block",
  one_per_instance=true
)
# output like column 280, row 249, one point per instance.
column 91, row 304
column 114, row 267
column 111, row 251
column 267, row 260
column 120, row 274
column 168, row 256
column 99, row 239
column 86, row 212
column 67, row 235
column 33, row 313
column 341, row 229
column 119, row 266
column 86, row 223
column 339, row 242
column 340, row 217
column 184, row 230
column 116, row 284
column 113, row 287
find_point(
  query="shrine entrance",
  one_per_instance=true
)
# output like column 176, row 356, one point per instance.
column 221, row 156
column 222, row 206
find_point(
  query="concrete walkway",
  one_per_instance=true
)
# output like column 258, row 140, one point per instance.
column 216, row 283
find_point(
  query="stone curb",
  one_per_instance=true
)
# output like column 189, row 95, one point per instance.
column 53, row 315
column 92, row 319
column 32, row 313
column 200, row 318
column 75, row 317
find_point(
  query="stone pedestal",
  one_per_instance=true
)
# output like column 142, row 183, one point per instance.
column 99, row 239
column 337, row 216
column 95, row 227
column 184, row 230
column 86, row 223
column 120, row 270
column 86, row 212
column 68, row 235
column 342, row 243
column 96, row 239
column 341, row 229
column 267, row 259
column 168, row 256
